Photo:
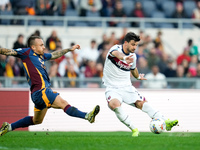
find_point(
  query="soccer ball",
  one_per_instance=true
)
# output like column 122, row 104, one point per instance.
column 157, row 126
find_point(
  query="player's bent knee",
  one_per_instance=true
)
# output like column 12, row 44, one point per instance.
column 59, row 103
column 139, row 104
column 114, row 104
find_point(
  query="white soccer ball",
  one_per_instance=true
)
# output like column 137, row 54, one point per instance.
column 157, row 126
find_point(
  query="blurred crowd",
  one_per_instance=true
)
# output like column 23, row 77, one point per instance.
column 104, row 8
column 88, row 62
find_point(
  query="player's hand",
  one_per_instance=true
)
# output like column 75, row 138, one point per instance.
column 75, row 47
column 141, row 77
column 128, row 59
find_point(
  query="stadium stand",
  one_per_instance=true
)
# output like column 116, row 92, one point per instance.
column 35, row 23
column 188, row 25
column 166, row 25
column 81, row 23
column 6, row 13
column 155, row 11
column 168, row 8
column 148, row 25
column 58, row 23
column 93, row 14
column 71, row 12
column 124, row 24
column 189, row 6
column 159, row 4
column 49, row 22
column 129, row 6
column 149, row 7
column 158, row 14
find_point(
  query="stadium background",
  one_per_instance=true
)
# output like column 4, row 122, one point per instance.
column 81, row 30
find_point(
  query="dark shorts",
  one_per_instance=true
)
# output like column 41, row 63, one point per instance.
column 43, row 98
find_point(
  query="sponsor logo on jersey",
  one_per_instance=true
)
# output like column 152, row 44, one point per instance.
column 41, row 61
column 120, row 64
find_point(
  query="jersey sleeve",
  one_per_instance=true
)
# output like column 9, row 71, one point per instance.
column 21, row 52
column 114, row 48
column 47, row 56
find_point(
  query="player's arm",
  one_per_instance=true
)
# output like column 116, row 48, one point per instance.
column 60, row 53
column 136, row 74
column 121, row 56
column 8, row 52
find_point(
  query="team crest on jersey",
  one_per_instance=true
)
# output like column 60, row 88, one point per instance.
column 109, row 97
column 19, row 49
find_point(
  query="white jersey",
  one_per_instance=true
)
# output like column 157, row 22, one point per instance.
column 116, row 72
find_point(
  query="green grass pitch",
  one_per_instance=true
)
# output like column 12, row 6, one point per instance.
column 24, row 140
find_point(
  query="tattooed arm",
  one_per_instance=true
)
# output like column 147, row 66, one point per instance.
column 8, row 52
column 60, row 53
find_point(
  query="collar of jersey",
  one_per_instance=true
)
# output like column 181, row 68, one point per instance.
column 40, row 56
column 123, row 50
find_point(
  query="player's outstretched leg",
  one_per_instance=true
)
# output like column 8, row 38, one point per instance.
column 170, row 123
column 91, row 115
column 24, row 122
column 4, row 128
column 74, row 112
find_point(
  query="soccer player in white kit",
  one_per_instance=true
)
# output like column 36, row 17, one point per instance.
column 120, row 61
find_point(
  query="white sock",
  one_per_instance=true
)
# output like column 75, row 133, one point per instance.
column 124, row 118
column 9, row 128
column 153, row 113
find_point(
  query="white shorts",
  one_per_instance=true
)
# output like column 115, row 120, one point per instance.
column 128, row 95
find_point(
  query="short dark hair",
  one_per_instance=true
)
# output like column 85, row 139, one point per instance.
column 32, row 39
column 131, row 36
column 20, row 35
column 190, row 41
column 93, row 41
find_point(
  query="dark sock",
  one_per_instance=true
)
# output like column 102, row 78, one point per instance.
column 74, row 112
column 24, row 122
